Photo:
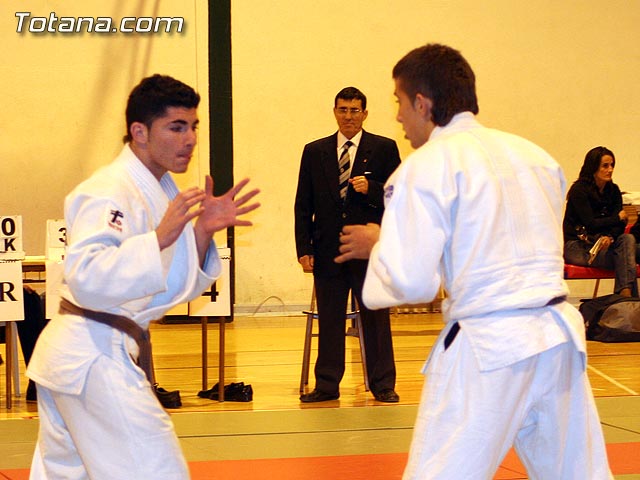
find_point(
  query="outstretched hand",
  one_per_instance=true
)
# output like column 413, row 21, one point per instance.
column 218, row 213
column 178, row 214
column 225, row 211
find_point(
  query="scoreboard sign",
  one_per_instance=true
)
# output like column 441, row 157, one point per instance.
column 215, row 302
column 11, row 252
column 11, row 238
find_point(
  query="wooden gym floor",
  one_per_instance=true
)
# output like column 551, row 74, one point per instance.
column 355, row 437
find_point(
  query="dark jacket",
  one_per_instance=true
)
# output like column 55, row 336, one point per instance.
column 320, row 214
column 596, row 212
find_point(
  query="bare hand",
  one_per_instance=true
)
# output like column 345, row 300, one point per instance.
column 360, row 184
column 606, row 243
column 357, row 241
column 623, row 216
column 224, row 211
column 178, row 214
column 307, row 263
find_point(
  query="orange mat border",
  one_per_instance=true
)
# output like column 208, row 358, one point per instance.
column 623, row 459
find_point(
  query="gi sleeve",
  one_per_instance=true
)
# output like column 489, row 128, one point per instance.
column 404, row 266
column 110, row 259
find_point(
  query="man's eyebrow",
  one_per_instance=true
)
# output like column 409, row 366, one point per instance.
column 184, row 122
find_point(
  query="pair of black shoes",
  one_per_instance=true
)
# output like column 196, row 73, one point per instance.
column 387, row 395
column 234, row 392
column 167, row 399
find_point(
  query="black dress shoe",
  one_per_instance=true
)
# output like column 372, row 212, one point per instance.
column 168, row 399
column 318, row 396
column 388, row 395
column 234, row 392
column 230, row 391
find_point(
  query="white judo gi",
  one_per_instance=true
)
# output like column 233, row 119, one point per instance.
column 480, row 211
column 99, row 417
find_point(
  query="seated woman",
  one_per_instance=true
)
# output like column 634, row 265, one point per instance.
column 635, row 231
column 594, row 210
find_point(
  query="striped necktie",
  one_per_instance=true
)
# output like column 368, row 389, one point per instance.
column 343, row 168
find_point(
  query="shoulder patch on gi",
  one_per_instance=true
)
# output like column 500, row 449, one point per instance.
column 114, row 220
column 388, row 191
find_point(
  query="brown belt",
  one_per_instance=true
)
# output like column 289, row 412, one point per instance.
column 119, row 322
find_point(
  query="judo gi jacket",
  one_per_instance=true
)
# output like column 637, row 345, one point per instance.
column 113, row 264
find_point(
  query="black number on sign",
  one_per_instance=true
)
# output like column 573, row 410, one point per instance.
column 213, row 292
column 8, row 226
column 63, row 237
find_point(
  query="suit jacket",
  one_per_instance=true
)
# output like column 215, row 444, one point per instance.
column 320, row 213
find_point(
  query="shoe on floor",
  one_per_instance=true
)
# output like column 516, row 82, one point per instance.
column 234, row 392
column 167, row 399
column 388, row 395
column 318, row 396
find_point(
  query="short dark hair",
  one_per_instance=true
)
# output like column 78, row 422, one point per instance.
column 592, row 162
column 442, row 74
column 153, row 95
column 351, row 93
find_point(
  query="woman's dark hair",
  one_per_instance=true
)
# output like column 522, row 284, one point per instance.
column 592, row 163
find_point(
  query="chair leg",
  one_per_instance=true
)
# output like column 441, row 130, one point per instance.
column 595, row 290
column 12, row 359
column 363, row 352
column 306, row 353
column 16, row 362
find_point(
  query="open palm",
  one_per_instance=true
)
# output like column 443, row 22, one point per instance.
column 226, row 210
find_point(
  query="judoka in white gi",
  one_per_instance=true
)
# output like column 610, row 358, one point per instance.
column 480, row 211
column 133, row 251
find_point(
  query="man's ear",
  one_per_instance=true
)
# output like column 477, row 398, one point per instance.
column 423, row 105
column 139, row 133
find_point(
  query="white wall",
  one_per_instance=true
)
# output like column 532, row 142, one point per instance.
column 65, row 95
column 560, row 73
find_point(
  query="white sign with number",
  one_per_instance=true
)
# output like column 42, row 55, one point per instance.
column 215, row 302
column 11, row 295
column 56, row 239
column 11, row 238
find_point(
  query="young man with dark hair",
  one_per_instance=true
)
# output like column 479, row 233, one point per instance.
column 133, row 252
column 479, row 211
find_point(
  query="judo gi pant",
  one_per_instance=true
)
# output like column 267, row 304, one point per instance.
column 468, row 419
column 115, row 429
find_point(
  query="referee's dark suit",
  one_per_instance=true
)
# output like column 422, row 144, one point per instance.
column 320, row 214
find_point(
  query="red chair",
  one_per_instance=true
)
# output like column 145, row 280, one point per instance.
column 575, row 272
